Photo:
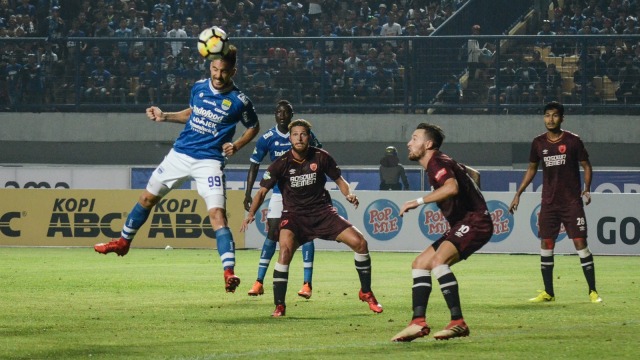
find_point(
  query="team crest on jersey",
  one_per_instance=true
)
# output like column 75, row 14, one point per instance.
column 562, row 149
column 226, row 104
column 313, row 167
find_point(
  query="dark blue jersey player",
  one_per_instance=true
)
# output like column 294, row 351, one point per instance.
column 215, row 108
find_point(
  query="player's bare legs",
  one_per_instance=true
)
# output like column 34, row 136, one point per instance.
column 136, row 218
column 353, row 238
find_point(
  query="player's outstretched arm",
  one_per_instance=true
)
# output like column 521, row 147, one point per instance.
column 345, row 189
column 526, row 180
column 258, row 199
column 251, row 179
column 154, row 113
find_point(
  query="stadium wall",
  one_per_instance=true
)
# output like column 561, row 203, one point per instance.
column 354, row 139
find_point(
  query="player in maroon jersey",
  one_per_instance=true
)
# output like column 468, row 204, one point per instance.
column 308, row 213
column 456, row 192
column 560, row 152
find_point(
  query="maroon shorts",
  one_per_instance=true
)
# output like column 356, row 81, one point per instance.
column 325, row 224
column 469, row 234
column 570, row 215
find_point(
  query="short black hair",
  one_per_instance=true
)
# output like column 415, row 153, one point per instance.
column 554, row 105
column 434, row 133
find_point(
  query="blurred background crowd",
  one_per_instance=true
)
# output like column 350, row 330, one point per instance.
column 143, row 51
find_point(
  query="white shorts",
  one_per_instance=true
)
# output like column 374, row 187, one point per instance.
column 275, row 207
column 177, row 168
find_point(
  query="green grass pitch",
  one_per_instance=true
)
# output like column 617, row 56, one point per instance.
column 72, row 303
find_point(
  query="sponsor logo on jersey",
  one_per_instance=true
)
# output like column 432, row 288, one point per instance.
column 545, row 152
column 292, row 171
column 205, row 113
column 303, row 180
column 442, row 172
column 209, row 102
column 267, row 135
column 201, row 95
column 279, row 153
column 555, row 160
column 226, row 104
column 267, row 175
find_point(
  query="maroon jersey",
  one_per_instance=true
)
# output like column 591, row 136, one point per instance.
column 561, row 158
column 302, row 182
column 469, row 199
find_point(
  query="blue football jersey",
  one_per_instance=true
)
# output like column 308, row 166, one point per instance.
column 213, row 120
column 275, row 143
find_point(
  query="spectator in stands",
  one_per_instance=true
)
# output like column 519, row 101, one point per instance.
column 120, row 83
column 583, row 83
column 587, row 27
column 351, row 62
column 474, row 66
column 451, row 93
column 300, row 23
column 176, row 32
column 537, row 63
column 550, row 84
column 147, row 85
column 598, row 18
column 339, row 85
column 628, row 90
column 74, row 49
column 545, row 31
column 616, row 64
column 135, row 63
column 98, row 84
column 578, row 17
column 123, row 32
column 525, row 83
column 383, row 84
column 391, row 28
column 607, row 28
column 557, row 22
column 261, row 85
column 362, row 83
column 13, row 74
column 505, row 78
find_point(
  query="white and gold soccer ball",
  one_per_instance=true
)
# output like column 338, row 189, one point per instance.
column 213, row 43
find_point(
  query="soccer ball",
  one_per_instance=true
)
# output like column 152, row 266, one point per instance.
column 213, row 43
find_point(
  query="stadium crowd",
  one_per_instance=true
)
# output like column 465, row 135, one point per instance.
column 128, row 72
column 604, row 71
column 59, row 70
